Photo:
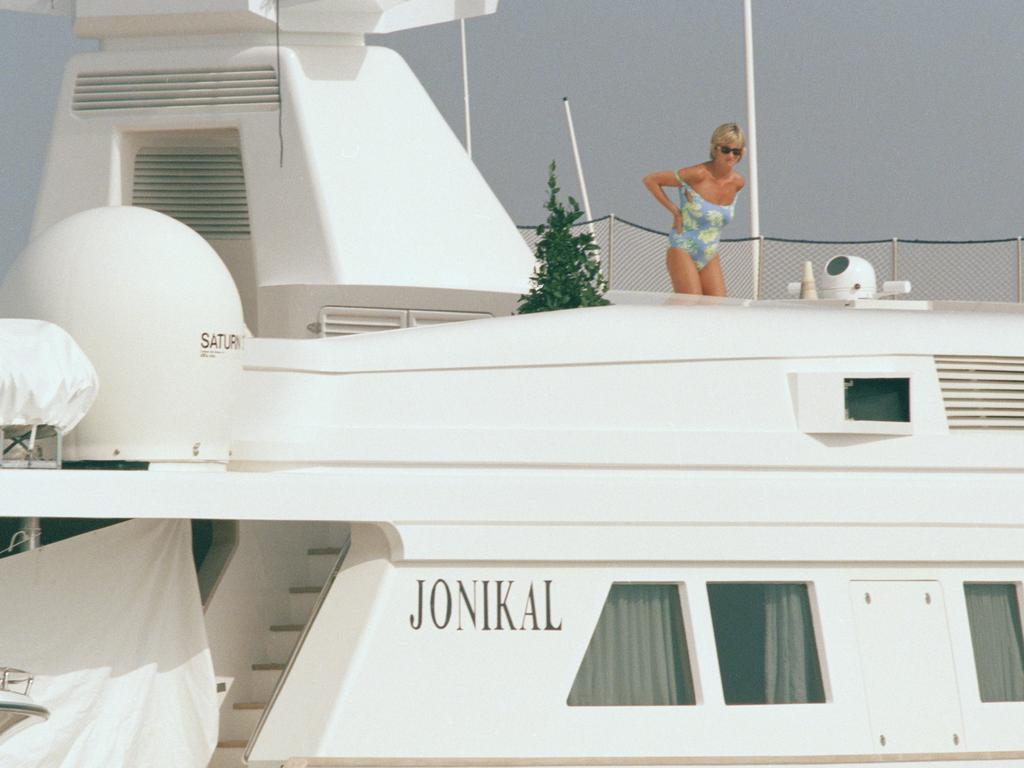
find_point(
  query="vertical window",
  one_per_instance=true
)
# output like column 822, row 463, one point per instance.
column 638, row 654
column 993, row 611
column 767, row 652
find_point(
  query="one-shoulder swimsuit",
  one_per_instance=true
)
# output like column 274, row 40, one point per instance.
column 702, row 225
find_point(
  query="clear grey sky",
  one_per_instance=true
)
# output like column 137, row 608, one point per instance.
column 875, row 118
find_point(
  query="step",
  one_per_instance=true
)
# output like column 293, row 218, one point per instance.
column 281, row 640
column 324, row 551
column 247, row 705
column 238, row 720
column 232, row 744
column 241, row 720
column 264, row 680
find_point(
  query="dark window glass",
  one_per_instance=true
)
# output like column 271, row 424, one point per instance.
column 764, row 634
column 877, row 399
column 637, row 655
column 994, row 614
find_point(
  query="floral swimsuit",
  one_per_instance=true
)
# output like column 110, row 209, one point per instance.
column 702, row 225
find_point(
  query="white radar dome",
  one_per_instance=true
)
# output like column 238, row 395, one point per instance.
column 848, row 277
column 154, row 308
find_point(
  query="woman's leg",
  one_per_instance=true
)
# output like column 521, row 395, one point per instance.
column 711, row 280
column 682, row 271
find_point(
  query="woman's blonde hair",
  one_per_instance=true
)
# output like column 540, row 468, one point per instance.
column 727, row 133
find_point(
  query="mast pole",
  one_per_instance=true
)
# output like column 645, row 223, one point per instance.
column 748, row 51
column 579, row 165
column 752, row 151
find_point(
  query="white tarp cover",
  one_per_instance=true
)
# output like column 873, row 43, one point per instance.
column 45, row 377
column 111, row 625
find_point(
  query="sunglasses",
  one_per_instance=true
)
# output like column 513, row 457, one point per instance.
column 731, row 150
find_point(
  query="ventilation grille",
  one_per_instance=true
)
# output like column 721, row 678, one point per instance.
column 202, row 187
column 982, row 392
column 421, row 317
column 346, row 321
column 244, row 88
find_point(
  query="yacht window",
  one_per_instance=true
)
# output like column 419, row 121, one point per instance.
column 994, row 614
column 877, row 399
column 638, row 654
column 767, row 653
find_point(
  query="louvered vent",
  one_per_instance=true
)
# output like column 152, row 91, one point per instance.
column 346, row 321
column 203, row 187
column 982, row 392
column 242, row 88
column 421, row 317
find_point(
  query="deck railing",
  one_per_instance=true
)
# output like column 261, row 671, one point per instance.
column 633, row 258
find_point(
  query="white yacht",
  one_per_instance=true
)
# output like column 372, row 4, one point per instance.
column 335, row 506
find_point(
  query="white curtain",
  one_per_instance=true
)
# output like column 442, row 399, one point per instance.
column 764, row 635
column 111, row 624
column 792, row 674
column 996, row 635
column 637, row 655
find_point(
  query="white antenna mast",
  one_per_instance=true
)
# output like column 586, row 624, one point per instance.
column 465, row 89
column 579, row 165
column 755, row 219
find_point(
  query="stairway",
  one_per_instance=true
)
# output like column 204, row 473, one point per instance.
column 238, row 719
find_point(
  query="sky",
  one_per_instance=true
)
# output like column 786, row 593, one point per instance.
column 875, row 119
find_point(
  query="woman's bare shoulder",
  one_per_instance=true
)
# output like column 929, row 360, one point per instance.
column 693, row 174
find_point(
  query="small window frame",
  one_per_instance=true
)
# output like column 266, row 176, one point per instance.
column 816, row 629
column 689, row 657
column 1018, row 591
column 820, row 403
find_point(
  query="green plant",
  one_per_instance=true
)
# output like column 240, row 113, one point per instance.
column 568, row 272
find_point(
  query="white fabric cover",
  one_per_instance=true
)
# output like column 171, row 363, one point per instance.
column 111, row 624
column 45, row 377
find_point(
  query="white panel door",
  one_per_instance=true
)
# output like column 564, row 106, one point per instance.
column 907, row 664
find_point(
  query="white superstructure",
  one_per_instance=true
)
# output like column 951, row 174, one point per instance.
column 672, row 531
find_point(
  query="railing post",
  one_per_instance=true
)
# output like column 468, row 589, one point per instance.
column 611, row 238
column 32, row 530
column 895, row 259
column 1020, row 274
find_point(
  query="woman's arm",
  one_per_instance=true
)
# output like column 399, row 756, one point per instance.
column 654, row 183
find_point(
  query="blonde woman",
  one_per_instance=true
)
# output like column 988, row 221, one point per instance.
column 707, row 201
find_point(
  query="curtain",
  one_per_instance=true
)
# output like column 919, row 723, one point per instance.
column 637, row 655
column 994, row 616
column 764, row 636
column 792, row 674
